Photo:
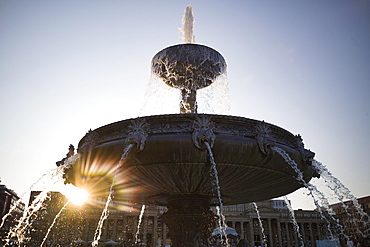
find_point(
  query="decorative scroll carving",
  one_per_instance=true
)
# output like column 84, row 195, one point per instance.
column 137, row 134
column 71, row 152
column 170, row 128
column 91, row 139
column 307, row 155
column 203, row 132
column 264, row 138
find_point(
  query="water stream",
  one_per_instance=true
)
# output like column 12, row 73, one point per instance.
column 19, row 231
column 295, row 224
column 52, row 224
column 264, row 239
column 105, row 211
column 139, row 223
column 318, row 197
column 43, row 184
column 188, row 25
column 342, row 192
column 216, row 184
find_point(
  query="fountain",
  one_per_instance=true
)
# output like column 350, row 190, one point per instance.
column 167, row 161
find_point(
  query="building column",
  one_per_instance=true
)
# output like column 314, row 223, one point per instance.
column 164, row 233
column 143, row 228
column 287, row 234
column 155, row 232
column 242, row 229
column 114, row 236
column 311, row 233
column 251, row 232
column 270, row 232
column 124, row 227
column 104, row 230
column 233, row 224
column 303, row 232
column 279, row 232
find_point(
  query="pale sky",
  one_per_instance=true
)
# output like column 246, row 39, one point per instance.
column 68, row 66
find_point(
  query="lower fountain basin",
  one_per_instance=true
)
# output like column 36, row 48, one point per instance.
column 168, row 161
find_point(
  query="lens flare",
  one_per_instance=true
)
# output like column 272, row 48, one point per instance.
column 75, row 195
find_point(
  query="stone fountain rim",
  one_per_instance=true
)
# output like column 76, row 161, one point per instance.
column 188, row 45
column 161, row 124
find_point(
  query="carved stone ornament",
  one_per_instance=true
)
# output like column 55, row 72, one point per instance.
column 91, row 139
column 71, row 152
column 264, row 138
column 306, row 155
column 138, row 132
column 203, row 132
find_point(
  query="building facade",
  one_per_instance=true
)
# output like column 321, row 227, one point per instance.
column 270, row 224
column 354, row 217
column 267, row 223
column 11, row 208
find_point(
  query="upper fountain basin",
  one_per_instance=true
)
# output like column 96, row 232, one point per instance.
column 190, row 66
column 169, row 158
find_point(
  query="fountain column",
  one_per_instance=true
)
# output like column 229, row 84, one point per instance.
column 189, row 220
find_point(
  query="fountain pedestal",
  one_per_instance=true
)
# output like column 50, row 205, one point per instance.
column 189, row 220
column 188, row 67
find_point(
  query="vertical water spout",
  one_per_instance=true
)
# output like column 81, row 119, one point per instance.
column 216, row 183
column 188, row 25
column 52, row 224
column 139, row 224
column 261, row 225
column 105, row 211
column 292, row 216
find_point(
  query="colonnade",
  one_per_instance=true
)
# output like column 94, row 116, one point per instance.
column 278, row 232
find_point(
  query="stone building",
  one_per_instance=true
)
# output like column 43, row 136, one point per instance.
column 10, row 206
column 121, row 226
column 354, row 217
column 278, row 229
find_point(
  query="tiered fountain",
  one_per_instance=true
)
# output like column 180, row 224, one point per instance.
column 167, row 161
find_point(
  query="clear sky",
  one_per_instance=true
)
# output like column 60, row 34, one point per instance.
column 68, row 66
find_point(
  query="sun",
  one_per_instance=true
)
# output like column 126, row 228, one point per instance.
column 74, row 194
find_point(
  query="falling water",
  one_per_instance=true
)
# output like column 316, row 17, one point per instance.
column 295, row 224
column 219, row 208
column 188, row 25
column 215, row 99
column 52, row 224
column 342, row 192
column 20, row 229
column 261, row 225
column 103, row 217
column 46, row 181
column 105, row 211
column 313, row 192
column 139, row 224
